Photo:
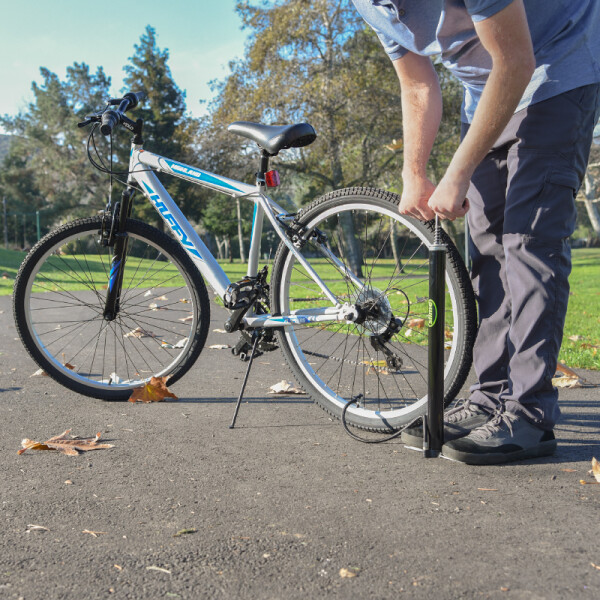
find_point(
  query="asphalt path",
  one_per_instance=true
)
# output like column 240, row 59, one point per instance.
column 282, row 506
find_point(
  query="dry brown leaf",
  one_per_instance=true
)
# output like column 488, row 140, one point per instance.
column 39, row 373
column 567, row 382
column 569, row 470
column 285, row 387
column 416, row 323
column 155, row 568
column 138, row 332
column 185, row 532
column 36, row 528
column 94, row 533
column 595, row 566
column 70, row 366
column 346, row 573
column 5, row 275
column 70, row 446
column 154, row 391
column 596, row 469
column 584, row 482
column 564, row 370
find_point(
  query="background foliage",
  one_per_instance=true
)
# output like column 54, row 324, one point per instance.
column 305, row 60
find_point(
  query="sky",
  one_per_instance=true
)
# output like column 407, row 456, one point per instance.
column 202, row 36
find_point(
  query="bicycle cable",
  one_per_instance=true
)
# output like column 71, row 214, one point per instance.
column 388, row 438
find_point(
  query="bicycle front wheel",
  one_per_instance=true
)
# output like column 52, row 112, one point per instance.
column 160, row 327
column 381, row 361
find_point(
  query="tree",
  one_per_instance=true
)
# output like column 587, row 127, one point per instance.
column 168, row 129
column 46, row 167
column 318, row 62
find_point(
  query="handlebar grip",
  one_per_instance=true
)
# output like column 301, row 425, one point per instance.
column 109, row 119
column 135, row 98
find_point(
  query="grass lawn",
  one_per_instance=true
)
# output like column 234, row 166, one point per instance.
column 581, row 345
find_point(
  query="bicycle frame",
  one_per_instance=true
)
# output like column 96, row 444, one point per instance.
column 142, row 165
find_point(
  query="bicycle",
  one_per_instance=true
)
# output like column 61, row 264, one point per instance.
column 102, row 304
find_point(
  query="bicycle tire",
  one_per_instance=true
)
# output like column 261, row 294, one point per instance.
column 60, row 288
column 338, row 362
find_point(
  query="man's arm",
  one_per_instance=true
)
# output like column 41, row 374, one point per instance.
column 506, row 37
column 421, row 115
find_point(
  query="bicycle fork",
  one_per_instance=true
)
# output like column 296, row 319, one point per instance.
column 118, row 238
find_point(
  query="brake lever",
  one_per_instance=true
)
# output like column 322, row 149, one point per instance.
column 90, row 119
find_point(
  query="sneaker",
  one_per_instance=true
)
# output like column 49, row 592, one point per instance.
column 506, row 437
column 458, row 422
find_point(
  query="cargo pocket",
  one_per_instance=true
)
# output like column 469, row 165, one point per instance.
column 554, row 214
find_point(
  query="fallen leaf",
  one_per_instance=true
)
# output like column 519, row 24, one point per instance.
column 487, row 489
column 5, row 275
column 138, row 332
column 564, row 370
column 162, row 298
column 219, row 331
column 187, row 319
column 567, row 382
column 69, row 366
column 94, row 533
column 70, row 446
column 346, row 573
column 184, row 532
column 569, row 470
column 575, row 338
column 219, row 346
column 68, row 482
column 595, row 566
column 154, row 391
column 154, row 568
column 118, row 567
column 596, row 469
column 39, row 373
column 415, row 323
column 285, row 387
column 584, row 482
column 36, row 528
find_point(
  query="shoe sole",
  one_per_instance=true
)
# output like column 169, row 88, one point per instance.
column 496, row 458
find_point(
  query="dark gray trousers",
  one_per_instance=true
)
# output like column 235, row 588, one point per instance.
column 522, row 213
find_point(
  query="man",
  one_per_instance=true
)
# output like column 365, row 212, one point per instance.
column 530, row 71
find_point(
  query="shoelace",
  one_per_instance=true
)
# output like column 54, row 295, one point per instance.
column 453, row 415
column 494, row 424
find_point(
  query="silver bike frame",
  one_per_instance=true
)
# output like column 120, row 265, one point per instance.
column 142, row 165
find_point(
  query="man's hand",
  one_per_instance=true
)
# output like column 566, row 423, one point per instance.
column 449, row 200
column 415, row 196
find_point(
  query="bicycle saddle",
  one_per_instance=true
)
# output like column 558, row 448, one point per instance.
column 274, row 138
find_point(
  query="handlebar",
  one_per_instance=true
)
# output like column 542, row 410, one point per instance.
column 109, row 118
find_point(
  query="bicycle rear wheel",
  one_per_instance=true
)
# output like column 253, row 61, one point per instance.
column 382, row 361
column 59, row 299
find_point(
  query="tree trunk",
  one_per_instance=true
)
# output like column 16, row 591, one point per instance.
column 396, row 246
column 591, row 207
column 240, row 236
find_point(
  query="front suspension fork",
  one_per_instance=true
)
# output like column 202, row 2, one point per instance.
column 119, row 239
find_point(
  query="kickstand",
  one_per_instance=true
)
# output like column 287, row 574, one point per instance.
column 256, row 337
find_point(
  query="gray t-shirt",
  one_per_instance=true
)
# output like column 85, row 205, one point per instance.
column 565, row 35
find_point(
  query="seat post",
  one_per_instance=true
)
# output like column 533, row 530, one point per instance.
column 264, row 167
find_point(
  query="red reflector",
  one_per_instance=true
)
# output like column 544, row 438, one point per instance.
column 272, row 178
